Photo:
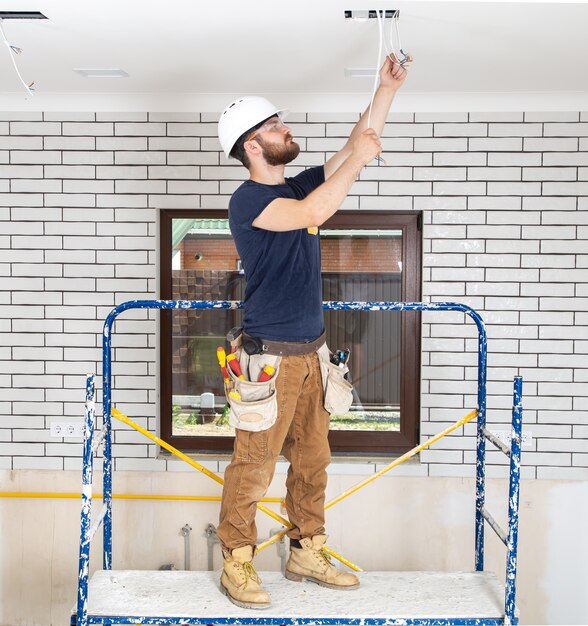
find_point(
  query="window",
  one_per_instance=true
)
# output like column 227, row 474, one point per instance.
column 366, row 256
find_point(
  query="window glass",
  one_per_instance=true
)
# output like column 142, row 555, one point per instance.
column 365, row 266
column 205, row 266
column 357, row 265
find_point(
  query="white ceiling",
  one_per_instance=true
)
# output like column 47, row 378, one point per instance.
column 195, row 55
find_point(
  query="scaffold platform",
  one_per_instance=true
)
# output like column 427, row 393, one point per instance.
column 181, row 597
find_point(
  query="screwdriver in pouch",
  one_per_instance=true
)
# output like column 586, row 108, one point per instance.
column 222, row 361
column 266, row 373
column 235, row 366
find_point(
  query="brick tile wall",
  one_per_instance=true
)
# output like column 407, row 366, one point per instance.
column 505, row 201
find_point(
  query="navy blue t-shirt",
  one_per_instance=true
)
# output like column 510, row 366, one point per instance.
column 283, row 296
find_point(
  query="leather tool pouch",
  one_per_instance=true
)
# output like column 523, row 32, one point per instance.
column 338, row 391
column 257, row 408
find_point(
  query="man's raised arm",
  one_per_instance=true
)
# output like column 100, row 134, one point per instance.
column 392, row 76
column 284, row 214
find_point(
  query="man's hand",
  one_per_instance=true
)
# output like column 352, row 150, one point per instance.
column 392, row 76
column 366, row 147
column 392, row 73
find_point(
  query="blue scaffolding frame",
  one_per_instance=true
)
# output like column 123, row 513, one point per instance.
column 88, row 530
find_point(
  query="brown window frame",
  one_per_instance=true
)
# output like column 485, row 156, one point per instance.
column 343, row 443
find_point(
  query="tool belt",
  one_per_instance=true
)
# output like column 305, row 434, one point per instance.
column 287, row 348
column 252, row 370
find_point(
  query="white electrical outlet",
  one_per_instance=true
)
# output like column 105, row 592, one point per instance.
column 505, row 436
column 67, row 430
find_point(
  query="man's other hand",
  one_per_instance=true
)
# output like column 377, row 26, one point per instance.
column 366, row 146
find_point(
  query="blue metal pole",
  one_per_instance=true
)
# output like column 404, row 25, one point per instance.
column 107, row 461
column 481, row 446
column 83, row 571
column 513, row 502
column 332, row 305
column 297, row 621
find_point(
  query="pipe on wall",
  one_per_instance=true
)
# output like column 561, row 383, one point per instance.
column 120, row 496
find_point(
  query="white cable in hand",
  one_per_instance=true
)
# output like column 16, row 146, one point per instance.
column 377, row 69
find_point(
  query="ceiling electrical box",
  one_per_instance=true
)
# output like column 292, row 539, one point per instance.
column 371, row 14
column 22, row 15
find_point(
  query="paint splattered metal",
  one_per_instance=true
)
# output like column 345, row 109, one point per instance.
column 85, row 538
column 286, row 621
column 513, row 500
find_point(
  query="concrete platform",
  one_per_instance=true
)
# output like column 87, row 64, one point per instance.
column 178, row 597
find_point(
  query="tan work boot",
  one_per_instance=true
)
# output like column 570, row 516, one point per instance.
column 312, row 562
column 240, row 582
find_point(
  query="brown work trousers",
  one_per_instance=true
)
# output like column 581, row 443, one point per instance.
column 301, row 434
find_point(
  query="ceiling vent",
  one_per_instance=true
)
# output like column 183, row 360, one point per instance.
column 113, row 73
column 359, row 72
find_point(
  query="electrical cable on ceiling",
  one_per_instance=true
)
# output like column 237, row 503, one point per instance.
column 378, row 62
column 13, row 50
column 397, row 37
column 403, row 59
column 391, row 53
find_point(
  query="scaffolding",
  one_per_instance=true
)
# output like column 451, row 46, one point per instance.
column 132, row 597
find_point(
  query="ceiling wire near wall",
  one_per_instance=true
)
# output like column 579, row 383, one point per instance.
column 12, row 51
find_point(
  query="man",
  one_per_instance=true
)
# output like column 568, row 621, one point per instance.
column 274, row 222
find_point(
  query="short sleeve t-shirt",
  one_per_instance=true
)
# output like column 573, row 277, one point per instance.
column 283, row 295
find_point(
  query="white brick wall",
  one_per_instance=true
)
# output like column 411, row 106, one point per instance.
column 505, row 205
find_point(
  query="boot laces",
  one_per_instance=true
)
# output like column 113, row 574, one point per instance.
column 326, row 557
column 250, row 572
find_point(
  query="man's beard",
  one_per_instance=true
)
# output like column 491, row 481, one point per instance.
column 278, row 154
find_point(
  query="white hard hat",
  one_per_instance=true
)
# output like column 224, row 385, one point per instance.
column 241, row 115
